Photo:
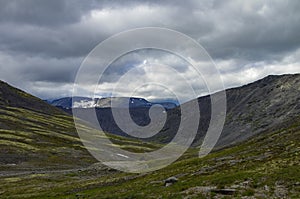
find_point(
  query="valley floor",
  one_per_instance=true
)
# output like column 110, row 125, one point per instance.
column 266, row 166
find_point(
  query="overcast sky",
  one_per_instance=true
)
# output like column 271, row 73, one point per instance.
column 43, row 43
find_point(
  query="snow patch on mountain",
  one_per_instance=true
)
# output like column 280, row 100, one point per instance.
column 84, row 104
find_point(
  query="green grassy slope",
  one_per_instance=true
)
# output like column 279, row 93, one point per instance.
column 266, row 166
column 34, row 135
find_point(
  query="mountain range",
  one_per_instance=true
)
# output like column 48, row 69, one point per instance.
column 108, row 102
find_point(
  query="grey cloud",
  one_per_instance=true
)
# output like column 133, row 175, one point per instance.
column 229, row 29
column 261, row 30
column 46, row 41
column 44, row 12
column 30, row 69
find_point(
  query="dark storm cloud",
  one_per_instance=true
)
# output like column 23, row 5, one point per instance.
column 43, row 12
column 47, row 28
column 46, row 41
column 228, row 29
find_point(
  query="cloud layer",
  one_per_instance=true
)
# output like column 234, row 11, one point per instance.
column 42, row 43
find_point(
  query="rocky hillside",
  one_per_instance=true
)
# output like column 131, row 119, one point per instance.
column 269, row 103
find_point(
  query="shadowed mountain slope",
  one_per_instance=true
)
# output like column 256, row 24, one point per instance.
column 34, row 135
column 269, row 103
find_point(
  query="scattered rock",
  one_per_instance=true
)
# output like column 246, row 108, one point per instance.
column 79, row 196
column 280, row 191
column 199, row 189
column 170, row 181
column 249, row 197
column 12, row 164
column 260, row 195
column 266, row 188
column 156, row 182
column 205, row 170
column 224, row 158
column 236, row 186
column 246, row 183
column 224, row 191
column 233, row 162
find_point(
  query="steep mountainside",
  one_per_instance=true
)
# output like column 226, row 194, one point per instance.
column 34, row 135
column 269, row 103
column 13, row 97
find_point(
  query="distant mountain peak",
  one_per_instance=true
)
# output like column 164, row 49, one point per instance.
column 107, row 102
